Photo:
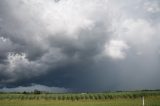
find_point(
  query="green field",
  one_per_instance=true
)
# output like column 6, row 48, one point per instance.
column 152, row 98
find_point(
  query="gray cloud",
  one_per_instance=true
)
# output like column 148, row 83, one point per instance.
column 81, row 45
column 35, row 87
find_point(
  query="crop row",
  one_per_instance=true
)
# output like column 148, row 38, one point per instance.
column 78, row 96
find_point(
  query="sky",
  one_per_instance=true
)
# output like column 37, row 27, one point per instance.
column 79, row 45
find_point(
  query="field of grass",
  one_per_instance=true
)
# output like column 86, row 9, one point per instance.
column 152, row 98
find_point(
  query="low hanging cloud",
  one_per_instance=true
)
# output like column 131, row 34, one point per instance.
column 57, row 42
column 34, row 87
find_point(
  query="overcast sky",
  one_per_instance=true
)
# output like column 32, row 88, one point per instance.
column 80, row 45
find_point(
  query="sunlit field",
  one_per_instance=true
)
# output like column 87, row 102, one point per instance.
column 152, row 98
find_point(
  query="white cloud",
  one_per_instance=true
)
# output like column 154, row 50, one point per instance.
column 137, row 31
column 15, row 60
column 116, row 49
column 3, row 39
column 152, row 7
column 65, row 16
column 20, row 67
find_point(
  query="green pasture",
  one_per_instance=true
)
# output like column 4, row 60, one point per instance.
column 152, row 98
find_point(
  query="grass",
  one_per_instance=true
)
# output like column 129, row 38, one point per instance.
column 152, row 98
column 151, row 101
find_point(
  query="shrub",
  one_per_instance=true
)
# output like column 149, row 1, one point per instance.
column 37, row 91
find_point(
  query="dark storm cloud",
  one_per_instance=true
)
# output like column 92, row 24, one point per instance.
column 80, row 45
